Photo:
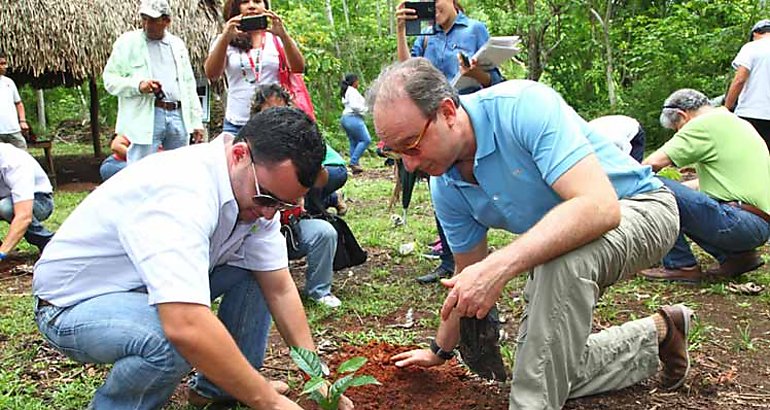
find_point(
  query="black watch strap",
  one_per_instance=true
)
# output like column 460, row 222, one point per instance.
column 442, row 354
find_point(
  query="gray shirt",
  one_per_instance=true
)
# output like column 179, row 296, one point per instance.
column 163, row 66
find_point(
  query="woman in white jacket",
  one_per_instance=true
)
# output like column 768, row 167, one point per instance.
column 353, row 120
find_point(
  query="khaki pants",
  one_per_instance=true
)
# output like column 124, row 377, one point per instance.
column 557, row 356
column 15, row 139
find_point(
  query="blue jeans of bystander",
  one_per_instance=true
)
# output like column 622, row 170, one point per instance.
column 720, row 229
column 169, row 132
column 358, row 135
column 42, row 207
column 318, row 241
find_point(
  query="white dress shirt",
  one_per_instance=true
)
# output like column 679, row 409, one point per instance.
column 164, row 224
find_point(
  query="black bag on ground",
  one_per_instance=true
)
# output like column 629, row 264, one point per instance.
column 349, row 252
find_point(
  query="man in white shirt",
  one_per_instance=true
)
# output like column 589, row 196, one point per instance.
column 133, row 286
column 749, row 93
column 625, row 133
column 13, row 119
column 25, row 199
column 149, row 71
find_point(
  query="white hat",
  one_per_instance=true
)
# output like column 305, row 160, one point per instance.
column 155, row 8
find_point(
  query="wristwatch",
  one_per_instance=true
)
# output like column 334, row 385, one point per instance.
column 442, row 354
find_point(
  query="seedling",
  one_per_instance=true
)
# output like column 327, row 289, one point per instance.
column 310, row 363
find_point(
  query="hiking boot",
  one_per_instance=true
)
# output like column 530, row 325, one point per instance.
column 434, row 275
column 735, row 265
column 673, row 350
column 479, row 346
column 341, row 206
column 356, row 169
column 688, row 274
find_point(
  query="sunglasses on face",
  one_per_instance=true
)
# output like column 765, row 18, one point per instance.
column 411, row 149
column 268, row 201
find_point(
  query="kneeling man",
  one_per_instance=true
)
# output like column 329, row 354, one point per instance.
column 725, row 209
column 515, row 156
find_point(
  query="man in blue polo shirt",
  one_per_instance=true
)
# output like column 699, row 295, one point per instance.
column 517, row 157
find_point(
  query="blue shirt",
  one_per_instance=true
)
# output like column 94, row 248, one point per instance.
column 526, row 138
column 466, row 35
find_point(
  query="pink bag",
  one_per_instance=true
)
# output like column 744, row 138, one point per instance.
column 293, row 83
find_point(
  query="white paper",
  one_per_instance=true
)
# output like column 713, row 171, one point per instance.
column 496, row 51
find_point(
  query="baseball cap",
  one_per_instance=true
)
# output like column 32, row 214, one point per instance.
column 155, row 8
column 762, row 25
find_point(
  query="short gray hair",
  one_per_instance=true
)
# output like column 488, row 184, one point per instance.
column 685, row 99
column 415, row 78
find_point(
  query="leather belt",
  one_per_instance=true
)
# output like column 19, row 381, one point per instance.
column 43, row 303
column 750, row 208
column 168, row 105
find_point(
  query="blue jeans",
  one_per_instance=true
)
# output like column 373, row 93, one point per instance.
column 169, row 132
column 42, row 207
column 110, row 166
column 358, row 135
column 317, row 241
column 231, row 128
column 720, row 229
column 121, row 328
column 338, row 175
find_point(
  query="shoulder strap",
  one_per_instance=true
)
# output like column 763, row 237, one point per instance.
column 284, row 65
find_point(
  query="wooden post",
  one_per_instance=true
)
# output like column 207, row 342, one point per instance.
column 41, row 109
column 95, row 137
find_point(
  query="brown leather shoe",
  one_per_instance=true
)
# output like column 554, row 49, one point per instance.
column 690, row 274
column 736, row 265
column 673, row 350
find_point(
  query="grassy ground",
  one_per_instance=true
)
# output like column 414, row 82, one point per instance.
column 729, row 338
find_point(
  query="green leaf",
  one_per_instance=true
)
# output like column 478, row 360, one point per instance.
column 313, row 385
column 339, row 387
column 363, row 381
column 307, row 361
column 349, row 366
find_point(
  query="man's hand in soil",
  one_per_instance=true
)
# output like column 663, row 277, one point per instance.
column 417, row 357
column 476, row 289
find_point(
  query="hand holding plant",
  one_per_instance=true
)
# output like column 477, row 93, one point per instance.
column 328, row 395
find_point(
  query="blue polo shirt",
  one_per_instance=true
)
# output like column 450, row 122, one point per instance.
column 466, row 35
column 526, row 138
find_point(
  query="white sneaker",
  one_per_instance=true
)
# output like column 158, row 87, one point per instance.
column 330, row 301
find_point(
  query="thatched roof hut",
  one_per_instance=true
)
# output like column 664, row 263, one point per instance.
column 55, row 42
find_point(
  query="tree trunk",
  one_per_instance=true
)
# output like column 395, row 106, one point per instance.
column 346, row 12
column 605, row 23
column 534, row 54
column 41, row 109
column 95, row 137
column 330, row 17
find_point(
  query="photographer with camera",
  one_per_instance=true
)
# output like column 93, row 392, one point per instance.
column 248, row 53
column 163, row 107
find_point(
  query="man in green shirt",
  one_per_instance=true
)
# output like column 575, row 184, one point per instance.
column 725, row 210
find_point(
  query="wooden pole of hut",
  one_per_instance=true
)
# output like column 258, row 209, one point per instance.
column 94, row 109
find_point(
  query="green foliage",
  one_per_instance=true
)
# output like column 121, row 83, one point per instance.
column 310, row 363
column 671, row 173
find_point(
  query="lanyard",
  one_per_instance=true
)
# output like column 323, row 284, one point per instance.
column 252, row 65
